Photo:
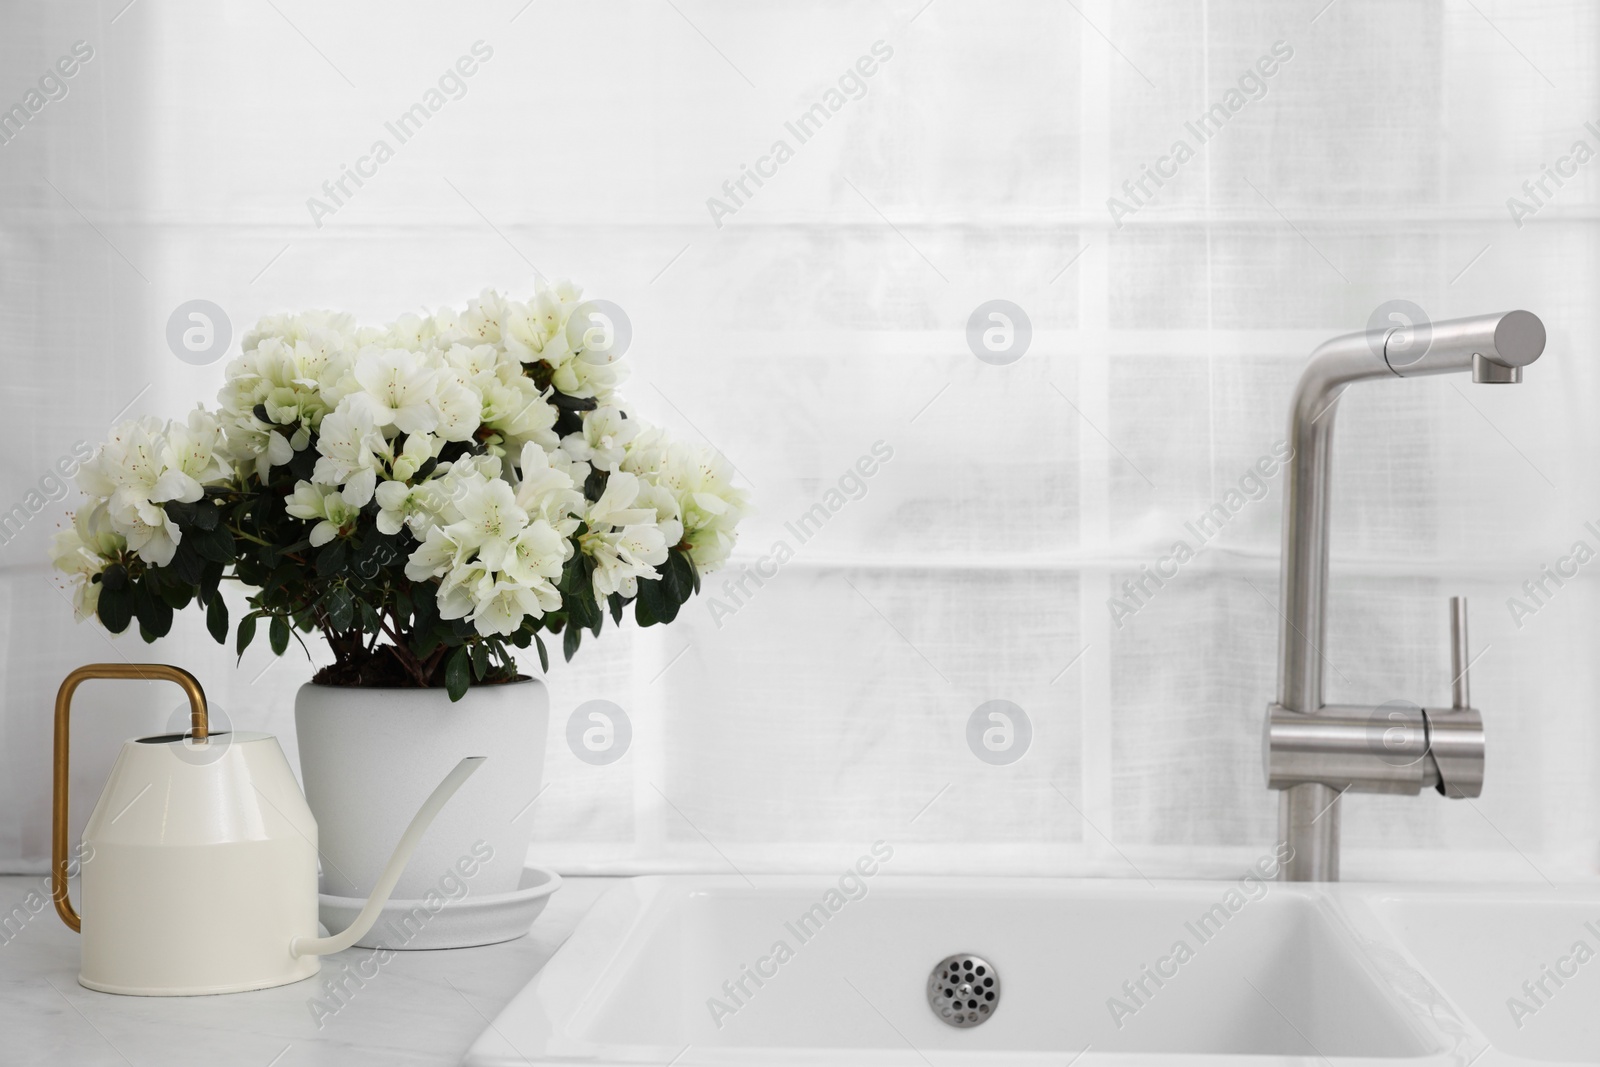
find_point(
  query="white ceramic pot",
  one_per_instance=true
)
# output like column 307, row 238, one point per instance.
column 368, row 758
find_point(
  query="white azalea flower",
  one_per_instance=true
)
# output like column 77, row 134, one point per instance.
column 576, row 469
column 579, row 377
column 458, row 405
column 664, row 503
column 399, row 388
column 295, row 328
column 481, row 322
column 647, row 451
column 193, row 454
column 434, row 557
column 711, row 506
column 490, row 521
column 623, row 539
column 144, row 465
column 514, row 407
column 524, row 335
column 154, row 541
column 478, row 363
column 536, row 560
column 443, row 494
column 623, row 556
column 418, row 449
column 603, row 441
column 616, row 505
column 410, row 331
column 350, row 445
column 463, row 587
column 501, row 608
column 530, row 327
column 547, row 493
column 400, row 505
column 325, row 505
column 254, row 449
column 82, row 551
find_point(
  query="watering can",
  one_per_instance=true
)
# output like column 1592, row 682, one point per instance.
column 198, row 867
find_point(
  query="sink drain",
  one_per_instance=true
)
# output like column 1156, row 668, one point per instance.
column 964, row 990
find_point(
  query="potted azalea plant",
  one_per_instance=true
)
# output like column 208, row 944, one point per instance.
column 429, row 497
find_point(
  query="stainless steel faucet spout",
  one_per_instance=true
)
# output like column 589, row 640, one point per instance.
column 1494, row 348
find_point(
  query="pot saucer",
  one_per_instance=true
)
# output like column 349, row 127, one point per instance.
column 441, row 923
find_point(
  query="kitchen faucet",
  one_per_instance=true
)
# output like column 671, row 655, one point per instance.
column 1314, row 753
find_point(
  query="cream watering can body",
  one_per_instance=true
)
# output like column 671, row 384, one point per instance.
column 199, row 862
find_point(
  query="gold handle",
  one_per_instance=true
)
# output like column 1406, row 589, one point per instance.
column 58, row 807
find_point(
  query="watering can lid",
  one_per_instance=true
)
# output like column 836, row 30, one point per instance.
column 225, row 737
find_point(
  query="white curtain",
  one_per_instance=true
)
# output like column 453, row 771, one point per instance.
column 829, row 707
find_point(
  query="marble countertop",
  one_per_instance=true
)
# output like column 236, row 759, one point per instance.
column 418, row 1008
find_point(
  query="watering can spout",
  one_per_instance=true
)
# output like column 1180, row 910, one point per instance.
column 322, row 946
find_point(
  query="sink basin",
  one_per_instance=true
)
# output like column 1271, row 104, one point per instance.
column 1523, row 966
column 715, row 970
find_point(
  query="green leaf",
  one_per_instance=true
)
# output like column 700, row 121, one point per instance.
column 247, row 633
column 186, row 565
column 569, row 642
column 424, row 604
column 206, row 515
column 215, row 545
column 114, row 577
column 331, row 559
column 480, row 660
column 179, row 512
column 154, row 614
column 116, row 606
column 210, row 580
column 176, row 596
column 303, row 462
column 341, row 608
column 615, row 602
column 575, row 575
column 282, row 574
column 423, row 642
column 650, row 607
column 217, row 619
column 278, row 634
column 544, row 657
column 669, row 610
column 573, row 403
column 582, row 609
column 457, row 673
column 679, row 577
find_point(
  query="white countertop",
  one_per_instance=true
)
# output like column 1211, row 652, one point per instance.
column 419, row 1007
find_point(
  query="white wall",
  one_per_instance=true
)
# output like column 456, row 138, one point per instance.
column 829, row 313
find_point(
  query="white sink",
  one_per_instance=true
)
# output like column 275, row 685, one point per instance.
column 1523, row 965
column 1279, row 974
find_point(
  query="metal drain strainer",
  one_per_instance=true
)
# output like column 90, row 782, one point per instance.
column 964, row 990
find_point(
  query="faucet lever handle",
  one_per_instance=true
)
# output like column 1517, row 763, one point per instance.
column 1460, row 695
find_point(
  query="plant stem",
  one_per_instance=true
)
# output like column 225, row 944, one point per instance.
column 253, row 539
